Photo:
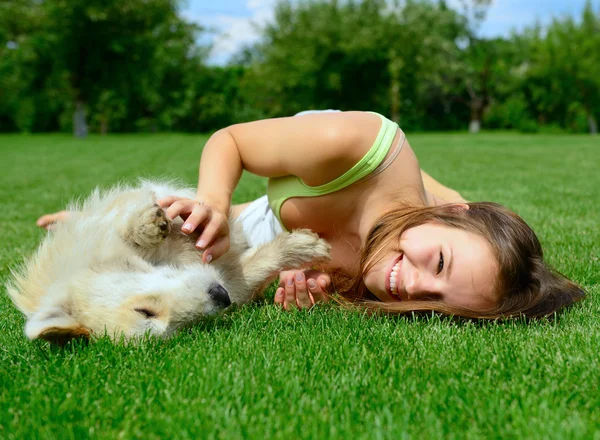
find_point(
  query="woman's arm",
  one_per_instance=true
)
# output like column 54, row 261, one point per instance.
column 438, row 193
column 47, row 221
column 317, row 148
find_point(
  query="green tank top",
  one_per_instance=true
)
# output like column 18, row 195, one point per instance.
column 279, row 189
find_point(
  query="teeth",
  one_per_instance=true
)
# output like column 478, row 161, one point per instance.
column 393, row 286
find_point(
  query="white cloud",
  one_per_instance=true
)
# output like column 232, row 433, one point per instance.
column 235, row 32
column 236, row 29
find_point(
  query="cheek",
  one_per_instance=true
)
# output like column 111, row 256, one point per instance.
column 369, row 280
column 374, row 281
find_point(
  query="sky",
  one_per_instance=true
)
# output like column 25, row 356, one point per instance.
column 234, row 20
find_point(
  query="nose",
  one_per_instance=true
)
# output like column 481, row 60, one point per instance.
column 219, row 295
column 419, row 283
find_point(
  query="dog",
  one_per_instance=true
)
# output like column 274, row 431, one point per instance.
column 119, row 267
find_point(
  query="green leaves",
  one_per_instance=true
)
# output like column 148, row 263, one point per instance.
column 137, row 65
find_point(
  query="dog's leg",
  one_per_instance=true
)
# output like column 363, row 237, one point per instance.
column 288, row 251
column 147, row 227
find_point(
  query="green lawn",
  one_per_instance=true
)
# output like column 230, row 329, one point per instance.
column 327, row 373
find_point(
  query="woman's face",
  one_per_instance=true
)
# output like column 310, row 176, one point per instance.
column 437, row 262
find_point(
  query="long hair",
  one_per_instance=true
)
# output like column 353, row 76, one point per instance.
column 526, row 286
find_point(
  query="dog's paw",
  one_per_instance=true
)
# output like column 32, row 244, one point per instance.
column 151, row 227
column 305, row 246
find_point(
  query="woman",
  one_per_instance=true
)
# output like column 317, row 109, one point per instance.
column 353, row 178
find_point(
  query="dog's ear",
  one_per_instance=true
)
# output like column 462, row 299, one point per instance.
column 56, row 325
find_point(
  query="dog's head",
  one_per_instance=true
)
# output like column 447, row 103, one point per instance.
column 130, row 310
column 65, row 320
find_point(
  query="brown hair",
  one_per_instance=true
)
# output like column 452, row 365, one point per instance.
column 526, row 285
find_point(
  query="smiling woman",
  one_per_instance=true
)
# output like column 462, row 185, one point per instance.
column 476, row 260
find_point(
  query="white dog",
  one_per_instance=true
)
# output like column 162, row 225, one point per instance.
column 119, row 267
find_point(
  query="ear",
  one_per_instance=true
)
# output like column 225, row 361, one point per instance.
column 54, row 324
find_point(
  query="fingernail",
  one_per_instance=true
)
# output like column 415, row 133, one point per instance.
column 208, row 258
column 323, row 283
column 186, row 227
column 311, row 283
column 200, row 243
column 279, row 292
column 299, row 276
column 290, row 281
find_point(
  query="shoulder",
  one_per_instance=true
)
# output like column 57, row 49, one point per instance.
column 346, row 138
column 315, row 147
column 352, row 126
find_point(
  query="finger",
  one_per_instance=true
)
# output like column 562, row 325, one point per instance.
column 324, row 282
column 199, row 215
column 279, row 296
column 48, row 219
column 283, row 276
column 211, row 231
column 167, row 201
column 302, row 296
column 220, row 247
column 315, row 290
column 289, row 301
column 183, row 206
column 45, row 220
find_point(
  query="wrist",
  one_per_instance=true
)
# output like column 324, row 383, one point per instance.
column 217, row 202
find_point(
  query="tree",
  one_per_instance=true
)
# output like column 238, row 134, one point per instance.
column 108, row 50
column 352, row 55
column 29, row 98
column 423, row 62
column 564, row 68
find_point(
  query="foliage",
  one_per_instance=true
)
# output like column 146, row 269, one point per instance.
column 565, row 70
column 125, row 61
column 137, row 66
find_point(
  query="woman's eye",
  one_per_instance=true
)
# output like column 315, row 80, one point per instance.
column 441, row 263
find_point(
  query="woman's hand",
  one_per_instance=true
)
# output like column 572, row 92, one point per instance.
column 48, row 221
column 214, row 236
column 302, row 289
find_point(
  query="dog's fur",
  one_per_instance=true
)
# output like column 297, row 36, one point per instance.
column 119, row 266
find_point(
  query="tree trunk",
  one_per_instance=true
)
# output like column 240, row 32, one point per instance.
column 80, row 128
column 395, row 68
column 592, row 124
column 103, row 125
column 395, row 102
column 476, row 115
column 474, row 126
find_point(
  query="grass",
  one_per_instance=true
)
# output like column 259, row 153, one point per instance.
column 259, row 372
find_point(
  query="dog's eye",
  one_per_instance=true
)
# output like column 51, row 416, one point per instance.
column 146, row 312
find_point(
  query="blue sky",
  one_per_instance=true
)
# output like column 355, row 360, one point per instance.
column 234, row 20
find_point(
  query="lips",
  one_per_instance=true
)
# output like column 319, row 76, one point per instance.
column 391, row 283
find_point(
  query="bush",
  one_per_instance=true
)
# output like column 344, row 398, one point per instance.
column 528, row 125
column 577, row 121
column 511, row 114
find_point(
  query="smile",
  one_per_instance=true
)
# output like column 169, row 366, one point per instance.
column 391, row 281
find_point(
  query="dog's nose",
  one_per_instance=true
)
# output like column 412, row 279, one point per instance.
column 219, row 295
